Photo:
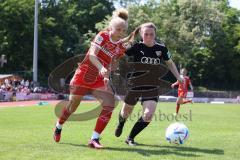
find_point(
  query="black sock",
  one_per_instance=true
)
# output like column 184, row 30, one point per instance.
column 121, row 119
column 137, row 128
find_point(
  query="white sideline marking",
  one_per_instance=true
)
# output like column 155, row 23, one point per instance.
column 217, row 102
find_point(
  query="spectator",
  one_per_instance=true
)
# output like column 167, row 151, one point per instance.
column 22, row 82
column 26, row 83
column 238, row 99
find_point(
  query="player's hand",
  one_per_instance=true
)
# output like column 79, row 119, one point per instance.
column 172, row 85
column 104, row 72
column 106, row 80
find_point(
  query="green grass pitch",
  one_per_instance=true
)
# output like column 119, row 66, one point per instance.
column 26, row 134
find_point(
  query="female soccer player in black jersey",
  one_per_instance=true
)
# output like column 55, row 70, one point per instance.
column 149, row 52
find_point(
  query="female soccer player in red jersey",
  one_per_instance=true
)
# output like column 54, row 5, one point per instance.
column 182, row 89
column 93, row 72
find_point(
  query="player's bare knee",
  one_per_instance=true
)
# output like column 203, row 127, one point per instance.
column 147, row 116
column 108, row 101
column 179, row 100
column 126, row 110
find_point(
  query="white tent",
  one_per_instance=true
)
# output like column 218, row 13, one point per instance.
column 8, row 76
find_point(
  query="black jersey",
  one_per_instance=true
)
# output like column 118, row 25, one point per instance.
column 148, row 55
column 140, row 53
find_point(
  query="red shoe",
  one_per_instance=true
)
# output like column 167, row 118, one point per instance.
column 57, row 134
column 94, row 143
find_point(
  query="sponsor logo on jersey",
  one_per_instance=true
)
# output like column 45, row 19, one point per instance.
column 158, row 53
column 106, row 51
column 149, row 60
column 98, row 39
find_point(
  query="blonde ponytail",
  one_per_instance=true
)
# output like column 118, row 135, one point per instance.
column 119, row 16
column 121, row 13
column 132, row 36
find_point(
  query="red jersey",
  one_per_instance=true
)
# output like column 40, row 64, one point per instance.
column 183, row 87
column 87, row 73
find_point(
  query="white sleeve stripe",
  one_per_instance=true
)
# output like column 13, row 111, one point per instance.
column 160, row 44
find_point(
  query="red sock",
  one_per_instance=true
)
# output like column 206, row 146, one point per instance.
column 103, row 119
column 64, row 116
column 186, row 101
column 177, row 108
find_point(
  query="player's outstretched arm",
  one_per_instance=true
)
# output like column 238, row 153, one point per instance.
column 191, row 86
column 175, row 84
column 172, row 67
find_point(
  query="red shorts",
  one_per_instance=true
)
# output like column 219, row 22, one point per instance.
column 83, row 82
column 182, row 94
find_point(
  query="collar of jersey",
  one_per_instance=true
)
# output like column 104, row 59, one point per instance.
column 112, row 40
column 146, row 45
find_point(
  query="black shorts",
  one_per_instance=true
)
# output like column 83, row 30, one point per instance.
column 141, row 93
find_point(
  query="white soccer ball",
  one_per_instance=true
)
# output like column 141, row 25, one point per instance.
column 177, row 133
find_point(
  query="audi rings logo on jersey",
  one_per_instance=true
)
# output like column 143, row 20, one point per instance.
column 149, row 60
